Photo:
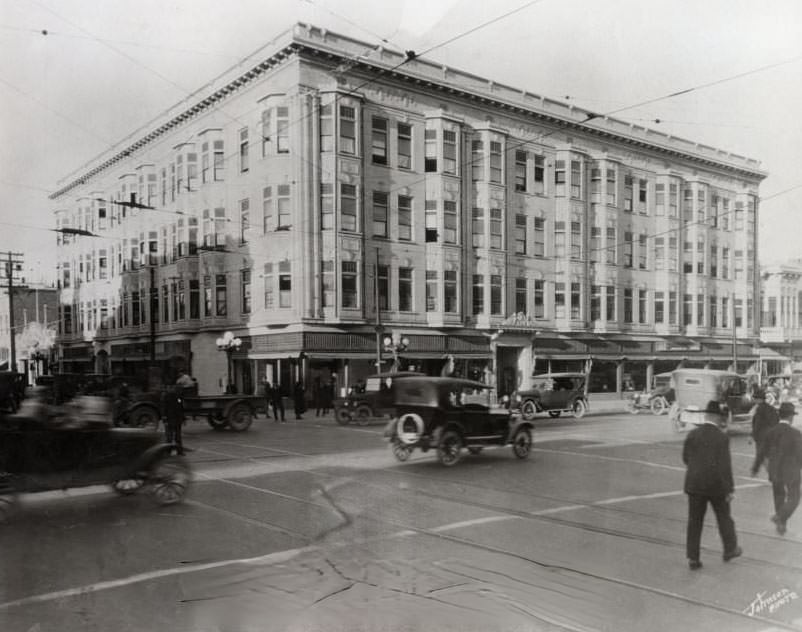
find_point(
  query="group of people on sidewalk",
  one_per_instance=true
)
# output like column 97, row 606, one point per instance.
column 709, row 479
column 322, row 395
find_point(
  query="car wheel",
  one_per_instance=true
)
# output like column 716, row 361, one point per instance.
column 409, row 428
column 169, row 480
column 522, row 443
column 144, row 418
column 659, row 406
column 448, row 451
column 555, row 413
column 579, row 409
column 528, row 410
column 217, row 424
column 128, row 486
column 632, row 407
column 475, row 450
column 401, row 451
column 343, row 416
column 240, row 418
column 363, row 415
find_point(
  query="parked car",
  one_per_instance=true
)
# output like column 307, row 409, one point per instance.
column 658, row 399
column 375, row 398
column 554, row 393
column 783, row 387
column 43, row 450
column 448, row 414
column 699, row 390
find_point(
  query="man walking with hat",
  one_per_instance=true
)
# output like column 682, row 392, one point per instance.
column 764, row 418
column 782, row 446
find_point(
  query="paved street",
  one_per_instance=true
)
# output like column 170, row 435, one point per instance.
column 308, row 525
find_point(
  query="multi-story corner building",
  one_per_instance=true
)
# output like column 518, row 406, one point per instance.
column 781, row 321
column 323, row 194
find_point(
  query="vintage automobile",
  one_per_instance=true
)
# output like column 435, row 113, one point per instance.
column 783, row 387
column 658, row 399
column 41, row 450
column 448, row 414
column 699, row 390
column 375, row 398
column 12, row 390
column 554, row 393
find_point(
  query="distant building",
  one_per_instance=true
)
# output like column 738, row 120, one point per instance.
column 781, row 314
column 325, row 197
column 35, row 312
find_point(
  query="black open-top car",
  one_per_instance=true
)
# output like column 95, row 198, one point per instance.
column 41, row 452
column 448, row 414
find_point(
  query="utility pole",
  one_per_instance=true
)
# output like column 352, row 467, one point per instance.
column 379, row 329
column 13, row 264
column 734, row 340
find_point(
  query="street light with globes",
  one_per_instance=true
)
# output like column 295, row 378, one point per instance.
column 395, row 345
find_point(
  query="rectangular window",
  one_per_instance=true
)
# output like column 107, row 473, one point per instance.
column 383, row 279
column 610, row 303
column 687, row 205
column 540, row 302
column 284, row 284
column 219, row 161
column 477, row 160
column 404, row 218
column 379, row 141
column 521, row 297
column 327, row 283
column 450, row 305
column 245, row 291
column 496, row 163
column 673, row 200
column 135, row 313
column 326, row 128
column 430, row 151
column 267, row 133
column 267, row 276
column 220, row 295
column 495, row 294
column 194, row 298
column 380, row 212
column 283, row 130
column 628, row 182
column 660, row 199
column 348, row 284
column 687, row 309
column 496, row 229
column 700, row 256
column 244, row 219
column 539, row 176
column 478, row 294
column 700, row 310
column 714, row 261
column 629, row 250
column 284, row 205
column 725, row 312
column 450, row 152
column 430, row 220
column 243, row 149
column 348, row 209
column 347, row 130
column 659, row 308
column 659, row 253
column 712, row 303
column 628, row 305
column 595, row 185
column 520, row 170
column 326, row 206
column 642, row 196
column 559, row 300
column 642, row 306
column 611, row 247
column 576, row 241
column 478, row 227
column 559, row 177
column 576, row 179
column 267, row 209
column 207, row 297
column 431, row 290
column 405, row 289
column 165, row 304
column 520, row 234
column 404, row 146
column 595, row 302
column 672, row 308
column 449, row 222
column 559, row 239
column 540, row 237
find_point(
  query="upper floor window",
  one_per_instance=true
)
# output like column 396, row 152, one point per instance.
column 243, row 149
column 380, row 213
column 347, row 129
column 430, row 150
column 379, row 141
column 496, row 163
column 348, row 207
column 404, row 218
column 284, row 206
column 449, row 222
column 349, row 284
column 404, row 146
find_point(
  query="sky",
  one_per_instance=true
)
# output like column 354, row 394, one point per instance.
column 78, row 76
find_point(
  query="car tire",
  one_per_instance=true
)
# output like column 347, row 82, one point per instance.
column 522, row 443
column 169, row 480
column 579, row 408
column 240, row 418
column 363, row 415
column 528, row 410
column 449, row 448
column 659, row 406
column 401, row 451
column 406, row 432
column 632, row 407
column 343, row 416
column 128, row 486
column 144, row 418
column 555, row 413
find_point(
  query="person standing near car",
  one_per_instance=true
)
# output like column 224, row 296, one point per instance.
column 298, row 396
column 764, row 418
column 173, row 417
column 708, row 479
column 782, row 445
column 277, row 402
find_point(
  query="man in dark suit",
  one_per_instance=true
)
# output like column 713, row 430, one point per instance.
column 764, row 418
column 708, row 479
column 173, row 414
column 783, row 447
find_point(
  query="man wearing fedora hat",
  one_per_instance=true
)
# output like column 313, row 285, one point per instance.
column 764, row 418
column 782, row 445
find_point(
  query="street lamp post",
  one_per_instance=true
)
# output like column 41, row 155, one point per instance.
column 394, row 344
column 229, row 344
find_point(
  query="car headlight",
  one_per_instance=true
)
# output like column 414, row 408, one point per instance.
column 518, row 398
